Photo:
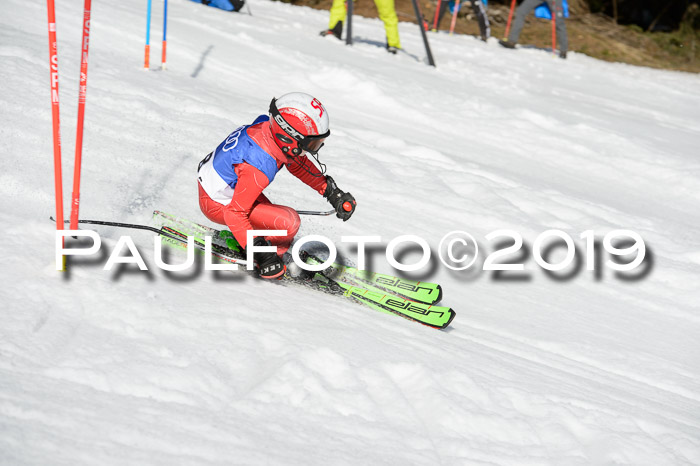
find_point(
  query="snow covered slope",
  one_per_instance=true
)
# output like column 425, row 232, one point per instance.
column 128, row 367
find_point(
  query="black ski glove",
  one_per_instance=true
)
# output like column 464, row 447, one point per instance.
column 343, row 203
column 269, row 264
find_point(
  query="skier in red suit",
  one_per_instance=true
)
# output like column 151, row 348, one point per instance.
column 232, row 178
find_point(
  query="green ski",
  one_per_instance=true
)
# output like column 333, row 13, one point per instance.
column 429, row 293
column 424, row 292
column 374, row 291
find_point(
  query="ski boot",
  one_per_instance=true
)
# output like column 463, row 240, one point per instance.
column 337, row 31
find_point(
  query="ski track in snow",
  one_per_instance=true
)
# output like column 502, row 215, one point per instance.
column 126, row 367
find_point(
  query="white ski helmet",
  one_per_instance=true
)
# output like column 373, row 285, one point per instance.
column 299, row 123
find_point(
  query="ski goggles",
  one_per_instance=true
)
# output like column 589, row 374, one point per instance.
column 311, row 144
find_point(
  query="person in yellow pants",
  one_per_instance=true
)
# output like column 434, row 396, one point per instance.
column 387, row 13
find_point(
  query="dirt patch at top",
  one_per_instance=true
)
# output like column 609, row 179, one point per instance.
column 595, row 35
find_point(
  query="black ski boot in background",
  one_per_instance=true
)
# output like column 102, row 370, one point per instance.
column 337, row 31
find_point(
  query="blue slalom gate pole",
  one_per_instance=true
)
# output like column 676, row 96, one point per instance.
column 165, row 32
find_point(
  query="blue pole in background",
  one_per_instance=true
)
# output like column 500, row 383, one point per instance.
column 148, row 37
column 165, row 31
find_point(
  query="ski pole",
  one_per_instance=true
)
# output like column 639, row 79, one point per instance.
column 165, row 29
column 133, row 226
column 419, row 20
column 554, row 26
column 247, row 6
column 315, row 212
column 348, row 39
column 160, row 232
column 167, row 234
column 75, row 204
column 148, row 37
column 510, row 17
column 53, row 67
column 156, row 230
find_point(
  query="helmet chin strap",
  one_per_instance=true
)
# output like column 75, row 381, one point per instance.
column 294, row 157
column 322, row 166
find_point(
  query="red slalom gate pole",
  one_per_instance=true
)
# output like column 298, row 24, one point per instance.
column 437, row 13
column 510, row 17
column 75, row 203
column 458, row 4
column 53, row 66
column 554, row 26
